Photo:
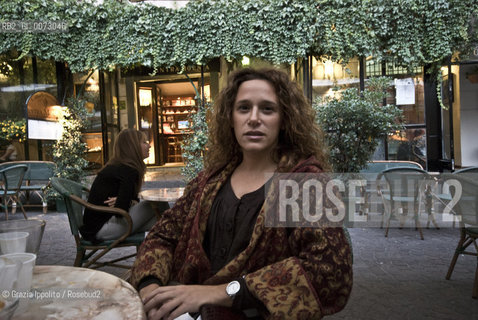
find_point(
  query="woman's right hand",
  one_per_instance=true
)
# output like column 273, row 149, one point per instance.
column 146, row 290
column 110, row 202
column 143, row 293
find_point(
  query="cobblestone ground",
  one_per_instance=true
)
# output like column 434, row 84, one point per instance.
column 399, row 277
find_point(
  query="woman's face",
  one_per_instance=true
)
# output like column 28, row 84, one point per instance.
column 256, row 117
column 145, row 148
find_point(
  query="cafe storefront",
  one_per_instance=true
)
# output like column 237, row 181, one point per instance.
column 160, row 105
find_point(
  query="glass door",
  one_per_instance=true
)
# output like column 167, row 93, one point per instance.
column 148, row 119
column 447, row 121
column 110, row 89
column 175, row 124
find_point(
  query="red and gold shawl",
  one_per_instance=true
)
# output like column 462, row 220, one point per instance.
column 305, row 273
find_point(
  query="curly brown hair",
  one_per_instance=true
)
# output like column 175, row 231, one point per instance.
column 299, row 139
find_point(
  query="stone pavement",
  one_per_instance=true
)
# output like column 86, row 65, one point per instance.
column 399, row 277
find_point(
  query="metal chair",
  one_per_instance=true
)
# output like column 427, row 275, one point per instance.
column 12, row 178
column 465, row 192
column 445, row 196
column 73, row 192
column 405, row 185
column 370, row 173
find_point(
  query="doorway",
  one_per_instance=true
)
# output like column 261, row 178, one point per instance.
column 164, row 115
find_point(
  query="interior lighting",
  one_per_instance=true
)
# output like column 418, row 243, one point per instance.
column 329, row 69
column 93, row 85
column 145, row 98
column 56, row 112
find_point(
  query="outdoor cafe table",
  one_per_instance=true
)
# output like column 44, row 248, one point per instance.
column 161, row 197
column 61, row 292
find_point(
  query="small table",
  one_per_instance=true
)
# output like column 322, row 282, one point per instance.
column 162, row 194
column 80, row 293
column 161, row 197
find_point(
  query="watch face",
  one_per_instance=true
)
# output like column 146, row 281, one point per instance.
column 233, row 288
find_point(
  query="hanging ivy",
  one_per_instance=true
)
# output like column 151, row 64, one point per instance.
column 414, row 33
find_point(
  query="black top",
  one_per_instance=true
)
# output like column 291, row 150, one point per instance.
column 112, row 181
column 230, row 225
column 228, row 232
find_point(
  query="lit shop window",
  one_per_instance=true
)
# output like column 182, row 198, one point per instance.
column 327, row 74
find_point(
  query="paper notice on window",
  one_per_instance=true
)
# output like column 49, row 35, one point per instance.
column 405, row 91
column 44, row 130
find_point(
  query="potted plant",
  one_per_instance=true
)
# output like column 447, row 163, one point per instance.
column 353, row 122
column 70, row 150
column 195, row 144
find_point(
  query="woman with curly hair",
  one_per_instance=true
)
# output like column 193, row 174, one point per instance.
column 213, row 247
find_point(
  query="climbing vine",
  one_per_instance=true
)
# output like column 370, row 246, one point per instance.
column 118, row 33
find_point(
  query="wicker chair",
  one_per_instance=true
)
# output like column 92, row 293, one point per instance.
column 73, row 193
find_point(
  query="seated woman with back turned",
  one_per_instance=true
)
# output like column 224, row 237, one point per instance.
column 214, row 241
column 117, row 185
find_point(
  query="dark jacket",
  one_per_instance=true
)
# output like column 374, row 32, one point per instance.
column 112, row 181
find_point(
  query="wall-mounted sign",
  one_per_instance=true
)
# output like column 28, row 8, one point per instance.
column 43, row 106
column 405, row 91
column 44, row 130
column 44, row 113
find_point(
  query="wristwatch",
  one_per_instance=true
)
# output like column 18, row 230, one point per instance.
column 233, row 288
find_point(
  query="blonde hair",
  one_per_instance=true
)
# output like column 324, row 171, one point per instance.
column 127, row 151
column 299, row 139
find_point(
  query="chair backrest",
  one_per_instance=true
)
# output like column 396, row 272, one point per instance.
column 37, row 170
column 66, row 188
column 471, row 172
column 373, row 168
column 380, row 165
column 467, row 170
column 12, row 176
column 406, row 181
column 467, row 201
column 40, row 170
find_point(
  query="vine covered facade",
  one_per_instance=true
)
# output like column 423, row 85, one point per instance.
column 142, row 54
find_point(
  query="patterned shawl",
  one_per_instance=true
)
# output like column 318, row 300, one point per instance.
column 303, row 273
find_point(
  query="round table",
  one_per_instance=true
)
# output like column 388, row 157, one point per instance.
column 162, row 194
column 60, row 292
column 161, row 197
